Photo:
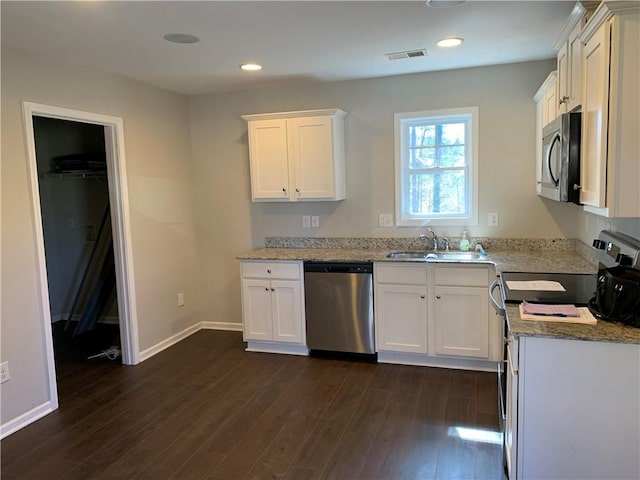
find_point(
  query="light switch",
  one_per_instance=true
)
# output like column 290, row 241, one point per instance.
column 315, row 221
column 492, row 219
column 306, row 221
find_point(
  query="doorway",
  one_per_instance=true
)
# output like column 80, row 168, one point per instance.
column 109, row 168
column 78, row 240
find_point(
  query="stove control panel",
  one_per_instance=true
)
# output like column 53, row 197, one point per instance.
column 617, row 249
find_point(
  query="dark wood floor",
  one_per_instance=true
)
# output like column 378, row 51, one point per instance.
column 206, row 409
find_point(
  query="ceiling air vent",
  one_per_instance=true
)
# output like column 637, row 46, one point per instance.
column 407, row 54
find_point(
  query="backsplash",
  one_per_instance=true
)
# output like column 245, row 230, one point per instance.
column 412, row 243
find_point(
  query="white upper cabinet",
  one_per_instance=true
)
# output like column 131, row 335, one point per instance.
column 546, row 110
column 610, row 150
column 569, row 61
column 297, row 156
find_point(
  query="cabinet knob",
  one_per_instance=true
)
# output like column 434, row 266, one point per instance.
column 273, row 289
column 266, row 289
column 268, row 270
column 422, row 295
column 438, row 297
column 298, row 191
column 284, row 190
column 576, row 186
column 564, row 99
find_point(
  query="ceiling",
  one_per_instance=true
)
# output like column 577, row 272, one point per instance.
column 295, row 41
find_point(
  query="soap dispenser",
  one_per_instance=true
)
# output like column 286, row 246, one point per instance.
column 464, row 242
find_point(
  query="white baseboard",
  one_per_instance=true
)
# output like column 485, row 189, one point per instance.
column 274, row 347
column 151, row 351
column 233, row 327
column 163, row 345
column 426, row 361
column 25, row 419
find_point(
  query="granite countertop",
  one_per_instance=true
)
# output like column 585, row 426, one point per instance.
column 561, row 260
column 566, row 261
column 603, row 331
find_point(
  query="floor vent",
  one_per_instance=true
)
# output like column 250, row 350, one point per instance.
column 407, row 54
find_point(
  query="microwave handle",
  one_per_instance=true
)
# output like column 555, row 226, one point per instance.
column 556, row 138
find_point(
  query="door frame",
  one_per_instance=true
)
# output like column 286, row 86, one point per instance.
column 120, row 224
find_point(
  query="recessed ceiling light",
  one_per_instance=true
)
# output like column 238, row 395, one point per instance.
column 444, row 3
column 181, row 38
column 449, row 42
column 251, row 67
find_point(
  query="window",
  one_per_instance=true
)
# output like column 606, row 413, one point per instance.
column 436, row 167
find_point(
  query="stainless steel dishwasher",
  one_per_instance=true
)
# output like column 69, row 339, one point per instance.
column 339, row 307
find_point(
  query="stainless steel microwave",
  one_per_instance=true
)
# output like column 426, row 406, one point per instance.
column 560, row 176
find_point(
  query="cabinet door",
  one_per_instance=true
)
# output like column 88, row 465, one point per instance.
column 570, row 71
column 256, row 309
column 269, row 159
column 563, row 65
column 286, row 305
column 551, row 105
column 311, row 152
column 595, row 104
column 462, row 321
column 539, row 113
column 401, row 318
column 574, row 79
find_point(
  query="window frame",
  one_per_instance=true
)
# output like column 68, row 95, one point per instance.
column 452, row 115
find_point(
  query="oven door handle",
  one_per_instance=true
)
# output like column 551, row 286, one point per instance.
column 496, row 305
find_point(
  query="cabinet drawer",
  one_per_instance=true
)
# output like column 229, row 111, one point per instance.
column 288, row 270
column 474, row 277
column 401, row 274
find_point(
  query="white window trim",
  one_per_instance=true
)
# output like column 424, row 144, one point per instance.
column 470, row 220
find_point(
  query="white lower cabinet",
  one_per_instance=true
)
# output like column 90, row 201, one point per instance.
column 462, row 321
column 436, row 314
column 273, row 307
column 572, row 414
column 401, row 308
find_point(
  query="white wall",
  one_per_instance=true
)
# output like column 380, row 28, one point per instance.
column 589, row 225
column 158, row 156
column 229, row 223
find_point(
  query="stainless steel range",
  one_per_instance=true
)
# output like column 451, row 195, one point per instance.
column 615, row 249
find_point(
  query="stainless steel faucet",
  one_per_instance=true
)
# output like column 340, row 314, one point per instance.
column 433, row 239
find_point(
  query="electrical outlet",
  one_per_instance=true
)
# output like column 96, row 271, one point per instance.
column 306, row 221
column 4, row 372
column 385, row 220
column 315, row 221
column 181, row 299
column 492, row 219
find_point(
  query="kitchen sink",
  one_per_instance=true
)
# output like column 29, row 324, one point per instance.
column 461, row 256
column 410, row 255
column 424, row 256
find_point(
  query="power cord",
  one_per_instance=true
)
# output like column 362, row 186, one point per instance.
column 110, row 353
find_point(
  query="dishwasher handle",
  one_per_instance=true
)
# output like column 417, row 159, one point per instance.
column 496, row 305
column 338, row 267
